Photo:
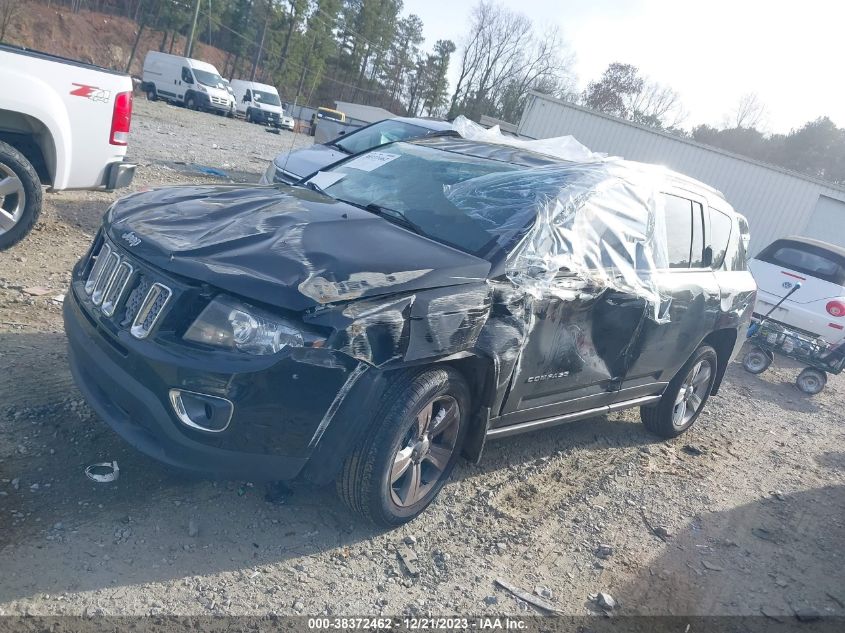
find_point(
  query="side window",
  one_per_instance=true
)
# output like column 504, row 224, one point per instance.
column 697, row 254
column 186, row 75
column 678, row 217
column 720, row 235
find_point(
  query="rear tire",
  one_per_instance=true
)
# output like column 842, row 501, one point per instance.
column 757, row 360
column 685, row 397
column 811, row 381
column 152, row 95
column 398, row 469
column 20, row 196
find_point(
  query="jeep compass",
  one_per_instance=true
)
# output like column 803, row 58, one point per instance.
column 401, row 307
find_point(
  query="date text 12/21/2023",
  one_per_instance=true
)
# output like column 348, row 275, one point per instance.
column 417, row 624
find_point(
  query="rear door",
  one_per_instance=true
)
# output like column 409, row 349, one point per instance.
column 691, row 295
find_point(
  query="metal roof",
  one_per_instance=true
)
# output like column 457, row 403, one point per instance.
column 689, row 141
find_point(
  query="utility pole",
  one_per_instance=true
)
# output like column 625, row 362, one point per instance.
column 189, row 44
column 257, row 59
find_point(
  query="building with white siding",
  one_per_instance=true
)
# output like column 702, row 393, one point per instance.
column 776, row 201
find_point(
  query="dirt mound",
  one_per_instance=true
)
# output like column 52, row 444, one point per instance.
column 96, row 38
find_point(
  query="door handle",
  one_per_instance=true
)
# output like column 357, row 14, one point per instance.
column 664, row 308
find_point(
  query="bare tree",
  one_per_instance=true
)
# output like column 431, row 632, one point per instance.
column 502, row 57
column 9, row 10
column 657, row 103
column 750, row 112
column 623, row 92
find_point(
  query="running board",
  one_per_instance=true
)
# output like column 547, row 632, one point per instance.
column 533, row 425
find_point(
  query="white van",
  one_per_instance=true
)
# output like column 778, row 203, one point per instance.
column 196, row 85
column 260, row 103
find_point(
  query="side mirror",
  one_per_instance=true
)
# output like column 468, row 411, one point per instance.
column 708, row 256
column 245, row 99
column 341, row 133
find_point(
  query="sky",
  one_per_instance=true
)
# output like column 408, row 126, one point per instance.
column 711, row 53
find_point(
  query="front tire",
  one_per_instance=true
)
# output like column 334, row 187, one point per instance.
column 684, row 398
column 152, row 95
column 20, row 196
column 398, row 469
column 190, row 103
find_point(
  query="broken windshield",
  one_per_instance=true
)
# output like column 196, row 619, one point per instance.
column 413, row 181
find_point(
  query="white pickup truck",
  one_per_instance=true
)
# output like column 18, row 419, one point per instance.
column 63, row 124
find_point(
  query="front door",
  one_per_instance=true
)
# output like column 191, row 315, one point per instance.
column 577, row 352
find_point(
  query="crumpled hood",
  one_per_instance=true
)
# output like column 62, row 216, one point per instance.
column 305, row 162
column 289, row 247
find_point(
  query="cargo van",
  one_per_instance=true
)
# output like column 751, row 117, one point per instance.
column 190, row 82
column 260, row 103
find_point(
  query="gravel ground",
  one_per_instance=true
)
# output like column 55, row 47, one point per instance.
column 745, row 514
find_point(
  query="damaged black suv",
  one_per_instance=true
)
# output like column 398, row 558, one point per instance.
column 401, row 307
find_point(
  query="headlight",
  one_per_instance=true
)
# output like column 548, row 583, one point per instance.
column 269, row 175
column 201, row 88
column 233, row 325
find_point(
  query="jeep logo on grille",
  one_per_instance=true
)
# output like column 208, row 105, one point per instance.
column 130, row 238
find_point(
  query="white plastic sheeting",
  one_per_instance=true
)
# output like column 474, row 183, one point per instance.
column 565, row 147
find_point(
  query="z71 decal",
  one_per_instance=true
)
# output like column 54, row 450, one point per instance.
column 91, row 92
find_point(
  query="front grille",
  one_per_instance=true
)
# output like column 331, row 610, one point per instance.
column 97, row 270
column 219, row 100
column 117, row 286
column 136, row 298
column 104, row 278
column 150, row 311
column 114, row 283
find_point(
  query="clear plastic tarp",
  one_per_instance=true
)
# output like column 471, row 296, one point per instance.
column 598, row 222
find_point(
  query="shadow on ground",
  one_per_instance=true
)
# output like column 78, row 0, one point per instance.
column 793, row 543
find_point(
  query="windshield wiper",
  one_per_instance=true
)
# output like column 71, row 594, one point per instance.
column 392, row 215
column 314, row 187
column 336, row 145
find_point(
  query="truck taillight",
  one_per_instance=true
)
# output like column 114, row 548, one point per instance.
column 836, row 308
column 120, row 119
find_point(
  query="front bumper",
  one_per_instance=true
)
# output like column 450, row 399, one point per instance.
column 279, row 404
column 265, row 117
column 205, row 102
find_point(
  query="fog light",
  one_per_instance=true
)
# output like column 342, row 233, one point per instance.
column 211, row 414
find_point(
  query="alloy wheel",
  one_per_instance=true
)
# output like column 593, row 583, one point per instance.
column 426, row 451
column 692, row 393
column 12, row 198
